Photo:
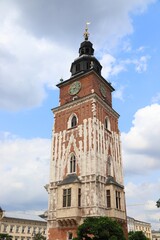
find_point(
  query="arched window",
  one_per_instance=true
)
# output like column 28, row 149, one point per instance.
column 72, row 163
column 107, row 124
column 73, row 121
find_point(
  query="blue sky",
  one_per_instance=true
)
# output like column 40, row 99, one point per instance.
column 38, row 42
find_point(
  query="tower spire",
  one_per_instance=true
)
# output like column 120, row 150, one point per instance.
column 86, row 33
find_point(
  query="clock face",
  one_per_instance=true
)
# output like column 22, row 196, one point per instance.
column 75, row 88
column 103, row 90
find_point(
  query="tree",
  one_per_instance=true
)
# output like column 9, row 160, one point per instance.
column 5, row 236
column 100, row 228
column 139, row 235
column 38, row 236
column 158, row 203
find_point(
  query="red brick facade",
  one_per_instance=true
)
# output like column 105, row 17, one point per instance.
column 61, row 233
column 95, row 143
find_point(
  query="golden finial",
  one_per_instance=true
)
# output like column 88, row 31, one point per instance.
column 86, row 34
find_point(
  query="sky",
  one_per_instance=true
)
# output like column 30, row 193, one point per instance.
column 38, row 42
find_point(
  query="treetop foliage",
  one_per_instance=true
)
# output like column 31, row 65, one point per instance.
column 138, row 235
column 100, row 228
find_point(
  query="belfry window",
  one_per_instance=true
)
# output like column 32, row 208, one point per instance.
column 72, row 163
column 107, row 124
column 87, row 65
column 73, row 121
column 87, row 50
column 78, row 67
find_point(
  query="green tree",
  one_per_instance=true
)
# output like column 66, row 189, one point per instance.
column 39, row 236
column 139, row 235
column 5, row 236
column 158, row 203
column 100, row 228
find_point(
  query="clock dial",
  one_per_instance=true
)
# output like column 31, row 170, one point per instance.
column 75, row 88
column 103, row 90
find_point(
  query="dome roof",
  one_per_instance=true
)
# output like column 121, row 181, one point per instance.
column 86, row 60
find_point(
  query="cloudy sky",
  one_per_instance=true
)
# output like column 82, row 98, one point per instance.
column 38, row 42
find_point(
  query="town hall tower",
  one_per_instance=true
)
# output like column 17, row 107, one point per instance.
column 86, row 177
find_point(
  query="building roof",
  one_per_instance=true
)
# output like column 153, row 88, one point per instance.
column 71, row 178
column 111, row 180
column 23, row 216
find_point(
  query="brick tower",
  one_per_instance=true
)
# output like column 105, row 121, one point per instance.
column 86, row 176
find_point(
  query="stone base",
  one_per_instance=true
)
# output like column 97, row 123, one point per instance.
column 62, row 233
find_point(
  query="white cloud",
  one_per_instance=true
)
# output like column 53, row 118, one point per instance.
column 113, row 66
column 27, row 65
column 141, row 157
column 119, row 93
column 156, row 98
column 36, row 41
column 141, row 201
column 24, row 171
column 110, row 66
column 141, row 49
column 141, row 150
column 141, row 64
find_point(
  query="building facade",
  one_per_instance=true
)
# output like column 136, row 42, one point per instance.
column 21, row 226
column 155, row 235
column 136, row 225
column 86, row 177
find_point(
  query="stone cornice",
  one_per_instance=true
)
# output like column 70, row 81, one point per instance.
column 78, row 101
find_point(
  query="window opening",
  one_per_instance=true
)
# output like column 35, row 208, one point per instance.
column 70, row 235
column 88, row 65
column 107, row 124
column 79, row 197
column 78, row 67
column 72, row 163
column 87, row 50
column 11, row 228
column 74, row 121
column 109, row 165
column 108, row 196
column 118, row 200
column 67, row 197
column 23, row 229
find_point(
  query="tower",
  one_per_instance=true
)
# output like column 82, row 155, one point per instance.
column 86, row 176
